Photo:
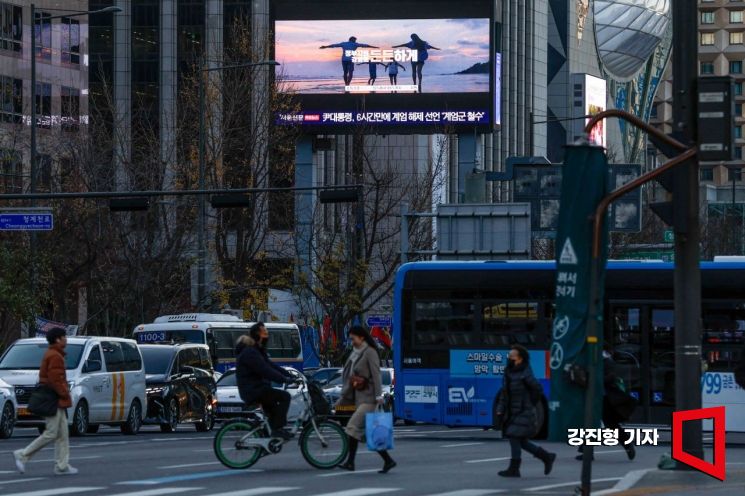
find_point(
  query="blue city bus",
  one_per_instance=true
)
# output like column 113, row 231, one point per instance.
column 221, row 332
column 454, row 323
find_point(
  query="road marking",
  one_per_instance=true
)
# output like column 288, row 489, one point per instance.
column 179, row 438
column 258, row 491
column 203, row 450
column 471, row 492
column 158, row 492
column 349, row 472
column 608, row 451
column 187, row 477
column 187, row 465
column 627, row 482
column 18, row 481
column 459, row 445
column 361, row 492
column 57, row 492
column 72, row 458
column 485, row 460
column 566, row 484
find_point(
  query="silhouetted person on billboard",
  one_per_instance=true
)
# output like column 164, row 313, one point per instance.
column 421, row 48
column 393, row 71
column 347, row 48
column 373, row 66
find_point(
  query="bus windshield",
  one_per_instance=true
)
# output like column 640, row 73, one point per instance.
column 197, row 336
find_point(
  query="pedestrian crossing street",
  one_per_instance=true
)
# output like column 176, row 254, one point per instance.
column 5, row 487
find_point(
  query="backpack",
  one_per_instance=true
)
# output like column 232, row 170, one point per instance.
column 318, row 399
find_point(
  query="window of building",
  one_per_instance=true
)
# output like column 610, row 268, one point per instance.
column 707, row 17
column 11, row 170
column 735, row 174
column 735, row 38
column 738, row 88
column 735, row 17
column 707, row 39
column 738, row 153
column 735, row 67
column 11, row 92
column 43, row 34
column 707, row 68
column 738, row 109
column 43, row 172
column 70, row 100
column 707, row 174
column 44, row 105
column 11, row 27
column 738, row 132
column 70, row 40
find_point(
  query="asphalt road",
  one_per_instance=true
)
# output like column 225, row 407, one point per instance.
column 432, row 460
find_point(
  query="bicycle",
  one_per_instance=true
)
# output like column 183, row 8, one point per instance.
column 240, row 443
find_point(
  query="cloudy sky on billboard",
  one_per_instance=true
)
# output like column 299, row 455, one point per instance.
column 463, row 43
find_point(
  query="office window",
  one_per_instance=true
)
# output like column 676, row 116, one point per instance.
column 735, row 38
column 735, row 174
column 707, row 68
column 43, row 34
column 707, row 39
column 11, row 92
column 70, row 40
column 11, row 171
column 738, row 153
column 43, row 172
column 707, row 174
column 738, row 109
column 738, row 132
column 738, row 88
column 707, row 17
column 44, row 105
column 735, row 17
column 70, row 100
column 11, row 27
column 735, row 67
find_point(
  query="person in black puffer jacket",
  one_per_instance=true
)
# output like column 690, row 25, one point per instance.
column 516, row 406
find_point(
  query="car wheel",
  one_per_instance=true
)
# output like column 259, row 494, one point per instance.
column 93, row 429
column 171, row 417
column 134, row 420
column 208, row 420
column 7, row 421
column 80, row 419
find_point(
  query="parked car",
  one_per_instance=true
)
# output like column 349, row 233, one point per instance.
column 106, row 378
column 8, row 409
column 180, row 386
column 332, row 390
column 230, row 405
column 322, row 376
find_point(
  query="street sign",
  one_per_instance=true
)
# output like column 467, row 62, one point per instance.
column 379, row 321
column 669, row 236
column 29, row 221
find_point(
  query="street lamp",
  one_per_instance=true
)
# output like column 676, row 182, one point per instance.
column 201, row 228
column 112, row 9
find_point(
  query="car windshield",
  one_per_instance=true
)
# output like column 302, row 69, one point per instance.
column 27, row 356
column 228, row 379
column 156, row 360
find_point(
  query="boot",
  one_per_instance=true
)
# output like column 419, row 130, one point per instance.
column 630, row 451
column 513, row 470
column 388, row 464
column 547, row 459
column 349, row 464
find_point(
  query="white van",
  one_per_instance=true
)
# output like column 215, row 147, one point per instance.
column 106, row 378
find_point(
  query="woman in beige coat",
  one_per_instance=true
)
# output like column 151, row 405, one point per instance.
column 363, row 364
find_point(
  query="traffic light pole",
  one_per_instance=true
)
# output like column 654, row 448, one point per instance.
column 687, row 290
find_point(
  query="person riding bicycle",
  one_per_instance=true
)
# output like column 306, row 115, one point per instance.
column 255, row 373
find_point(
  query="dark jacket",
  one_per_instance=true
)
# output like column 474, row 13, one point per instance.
column 520, row 392
column 255, row 371
column 52, row 373
column 618, row 405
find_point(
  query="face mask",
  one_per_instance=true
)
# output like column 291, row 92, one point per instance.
column 263, row 342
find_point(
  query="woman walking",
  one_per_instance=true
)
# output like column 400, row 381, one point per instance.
column 362, row 387
column 516, row 405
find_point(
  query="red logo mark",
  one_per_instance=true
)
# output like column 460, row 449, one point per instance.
column 716, row 469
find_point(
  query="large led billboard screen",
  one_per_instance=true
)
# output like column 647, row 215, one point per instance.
column 411, row 66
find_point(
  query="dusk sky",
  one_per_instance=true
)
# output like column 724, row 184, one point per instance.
column 463, row 42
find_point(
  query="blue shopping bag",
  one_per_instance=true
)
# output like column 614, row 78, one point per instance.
column 379, row 430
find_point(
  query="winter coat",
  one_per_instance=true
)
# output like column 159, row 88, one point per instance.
column 255, row 372
column 52, row 373
column 520, row 392
column 367, row 366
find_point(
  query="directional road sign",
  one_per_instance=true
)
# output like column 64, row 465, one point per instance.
column 379, row 321
column 36, row 221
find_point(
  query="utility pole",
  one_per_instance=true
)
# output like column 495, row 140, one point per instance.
column 686, row 226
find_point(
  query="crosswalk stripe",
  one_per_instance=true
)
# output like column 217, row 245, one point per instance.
column 18, row 481
column 57, row 492
column 362, row 491
column 484, row 460
column 187, row 465
column 458, row 445
column 339, row 474
column 187, row 477
column 159, row 492
column 257, row 491
column 471, row 492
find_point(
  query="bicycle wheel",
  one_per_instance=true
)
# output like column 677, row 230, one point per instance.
column 227, row 444
column 327, row 453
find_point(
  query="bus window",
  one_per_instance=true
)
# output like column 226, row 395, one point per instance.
column 444, row 323
column 724, row 335
column 508, row 323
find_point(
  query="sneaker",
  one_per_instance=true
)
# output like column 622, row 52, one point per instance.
column 70, row 470
column 20, row 464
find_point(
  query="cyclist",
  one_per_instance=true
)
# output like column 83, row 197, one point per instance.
column 255, row 373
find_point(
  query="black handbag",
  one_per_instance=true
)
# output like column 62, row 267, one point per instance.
column 43, row 402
